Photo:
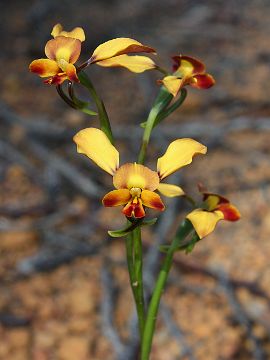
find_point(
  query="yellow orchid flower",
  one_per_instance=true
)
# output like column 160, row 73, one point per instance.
column 215, row 208
column 187, row 71
column 64, row 50
column 135, row 183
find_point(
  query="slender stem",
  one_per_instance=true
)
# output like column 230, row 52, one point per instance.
column 134, row 261
column 162, row 101
column 163, row 71
column 65, row 97
column 103, row 116
column 184, row 229
column 138, row 285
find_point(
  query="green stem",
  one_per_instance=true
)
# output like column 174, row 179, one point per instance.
column 162, row 101
column 184, row 229
column 103, row 116
column 138, row 285
column 134, row 261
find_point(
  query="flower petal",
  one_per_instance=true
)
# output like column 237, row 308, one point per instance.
column 152, row 200
column 187, row 65
column 179, row 153
column 56, row 30
column 136, row 63
column 172, row 83
column 95, row 144
column 76, row 33
column 72, row 73
column 202, row 81
column 44, row 67
column 63, row 48
column 212, row 201
column 134, row 175
column 170, row 190
column 134, row 209
column 204, row 222
column 229, row 211
column 116, row 198
column 118, row 46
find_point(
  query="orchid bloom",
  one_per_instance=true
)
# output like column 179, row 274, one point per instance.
column 215, row 208
column 64, row 50
column 187, row 71
column 135, row 183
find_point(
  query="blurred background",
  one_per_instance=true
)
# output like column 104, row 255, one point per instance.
column 64, row 292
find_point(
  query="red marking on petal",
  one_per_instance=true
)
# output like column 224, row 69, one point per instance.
column 128, row 209
column 134, row 209
column 222, row 199
column 202, row 81
column 230, row 212
column 198, row 66
column 152, row 200
column 139, row 211
column 57, row 79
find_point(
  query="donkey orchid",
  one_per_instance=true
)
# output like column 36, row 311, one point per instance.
column 135, row 183
column 187, row 71
column 62, row 52
column 214, row 209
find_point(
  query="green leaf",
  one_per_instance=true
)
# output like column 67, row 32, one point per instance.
column 143, row 124
column 164, row 248
column 167, row 111
column 88, row 111
column 190, row 246
column 83, row 106
column 130, row 227
column 149, row 222
column 184, row 240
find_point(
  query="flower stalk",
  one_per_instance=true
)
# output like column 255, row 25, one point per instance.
column 162, row 101
column 183, row 231
column 103, row 116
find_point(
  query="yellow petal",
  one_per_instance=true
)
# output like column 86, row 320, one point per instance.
column 134, row 175
column 212, row 202
column 136, row 64
column 56, row 30
column 204, row 222
column 170, row 190
column 63, row 48
column 116, row 198
column 172, row 83
column 95, row 144
column 179, row 153
column 76, row 33
column 44, row 67
column 118, row 46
